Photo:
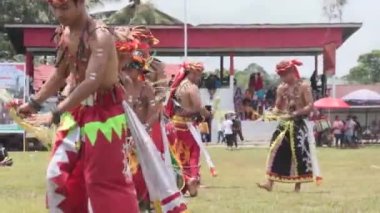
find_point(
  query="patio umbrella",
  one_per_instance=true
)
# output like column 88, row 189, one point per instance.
column 362, row 95
column 331, row 103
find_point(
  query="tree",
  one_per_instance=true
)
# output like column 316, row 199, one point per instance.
column 141, row 14
column 242, row 77
column 333, row 9
column 368, row 69
column 25, row 12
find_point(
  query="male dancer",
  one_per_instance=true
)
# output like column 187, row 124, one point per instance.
column 183, row 105
column 141, row 99
column 92, row 124
column 146, row 102
column 290, row 157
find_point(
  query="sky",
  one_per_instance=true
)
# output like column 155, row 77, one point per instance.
column 277, row 11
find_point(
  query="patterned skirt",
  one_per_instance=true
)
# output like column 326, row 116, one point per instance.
column 289, row 158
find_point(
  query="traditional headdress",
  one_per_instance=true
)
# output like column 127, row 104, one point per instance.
column 286, row 66
column 193, row 67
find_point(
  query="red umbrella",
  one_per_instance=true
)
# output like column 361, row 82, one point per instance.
column 331, row 103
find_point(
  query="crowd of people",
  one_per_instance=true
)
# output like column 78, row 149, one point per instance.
column 255, row 100
column 344, row 133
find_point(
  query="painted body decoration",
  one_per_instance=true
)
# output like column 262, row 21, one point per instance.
column 184, row 139
column 292, row 150
column 141, row 99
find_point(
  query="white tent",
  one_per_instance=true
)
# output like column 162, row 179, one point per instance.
column 362, row 95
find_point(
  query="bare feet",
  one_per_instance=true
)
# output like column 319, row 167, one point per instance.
column 193, row 187
column 265, row 186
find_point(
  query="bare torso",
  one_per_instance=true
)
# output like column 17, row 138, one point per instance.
column 140, row 97
column 294, row 97
column 76, row 63
column 183, row 97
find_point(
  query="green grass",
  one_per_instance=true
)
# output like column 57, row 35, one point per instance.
column 351, row 184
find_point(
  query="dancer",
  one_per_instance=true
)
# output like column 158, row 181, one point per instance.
column 183, row 106
column 146, row 103
column 91, row 118
column 291, row 153
column 141, row 98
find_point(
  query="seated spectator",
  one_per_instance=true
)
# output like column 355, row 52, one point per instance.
column 5, row 160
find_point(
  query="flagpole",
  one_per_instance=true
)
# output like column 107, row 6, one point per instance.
column 185, row 30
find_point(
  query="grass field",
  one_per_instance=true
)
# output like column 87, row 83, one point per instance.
column 351, row 184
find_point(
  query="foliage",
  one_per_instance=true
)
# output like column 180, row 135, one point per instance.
column 25, row 12
column 242, row 77
column 368, row 69
column 141, row 14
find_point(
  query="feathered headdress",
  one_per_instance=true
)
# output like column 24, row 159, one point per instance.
column 136, row 42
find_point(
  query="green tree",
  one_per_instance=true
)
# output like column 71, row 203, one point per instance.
column 368, row 69
column 25, row 12
column 141, row 14
column 242, row 77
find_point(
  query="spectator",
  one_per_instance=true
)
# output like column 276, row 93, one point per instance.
column 209, row 121
column 5, row 160
column 238, row 100
column 227, row 131
column 338, row 128
column 211, row 85
column 259, row 84
column 349, row 131
column 357, row 131
column 252, row 82
column 204, row 130
column 270, row 97
column 237, row 129
column 220, row 131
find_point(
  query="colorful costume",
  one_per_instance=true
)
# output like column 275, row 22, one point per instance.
column 185, row 140
column 136, row 50
column 185, row 148
column 87, row 164
column 292, row 156
column 87, row 170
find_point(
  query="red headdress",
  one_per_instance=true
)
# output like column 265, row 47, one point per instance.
column 180, row 76
column 286, row 66
column 193, row 67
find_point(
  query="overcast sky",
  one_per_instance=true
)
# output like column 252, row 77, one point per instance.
column 278, row 11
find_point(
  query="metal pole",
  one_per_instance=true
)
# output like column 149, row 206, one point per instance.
column 185, row 30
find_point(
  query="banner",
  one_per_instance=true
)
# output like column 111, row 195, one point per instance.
column 12, row 79
column 329, row 57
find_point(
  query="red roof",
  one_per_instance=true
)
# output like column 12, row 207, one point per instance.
column 342, row 90
column 41, row 74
